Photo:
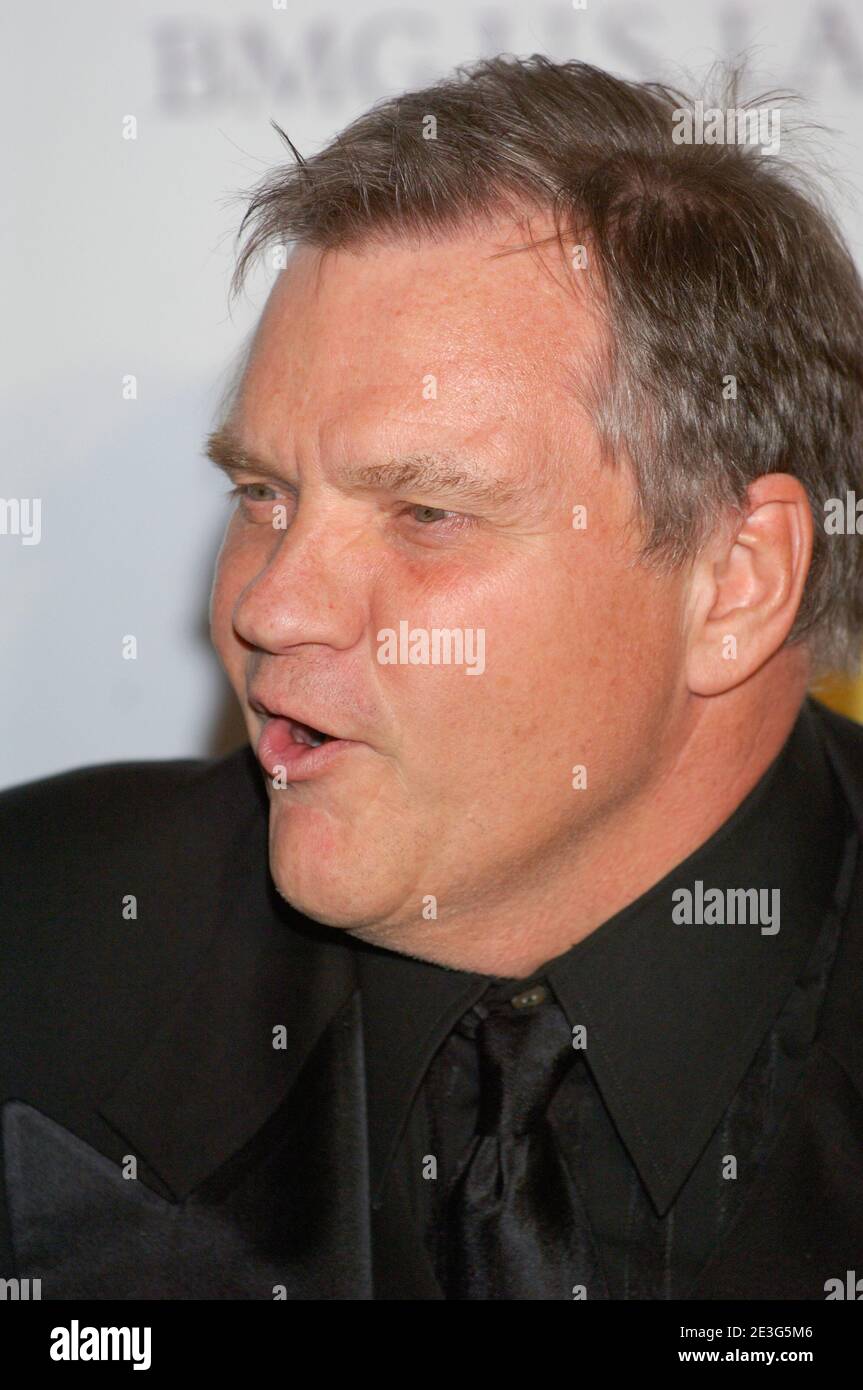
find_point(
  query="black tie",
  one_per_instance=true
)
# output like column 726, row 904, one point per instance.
column 514, row 1223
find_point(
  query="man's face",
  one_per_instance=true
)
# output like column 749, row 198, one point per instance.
column 422, row 455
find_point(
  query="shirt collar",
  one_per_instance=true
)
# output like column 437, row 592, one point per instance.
column 673, row 1012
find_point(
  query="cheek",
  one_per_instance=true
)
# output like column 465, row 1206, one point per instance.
column 562, row 649
column 489, row 707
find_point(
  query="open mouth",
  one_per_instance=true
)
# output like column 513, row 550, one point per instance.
column 304, row 733
column 289, row 748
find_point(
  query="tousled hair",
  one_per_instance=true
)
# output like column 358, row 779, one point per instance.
column 713, row 261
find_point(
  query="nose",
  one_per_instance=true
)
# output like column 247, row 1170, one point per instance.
column 309, row 590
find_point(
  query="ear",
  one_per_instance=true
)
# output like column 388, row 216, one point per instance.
column 747, row 583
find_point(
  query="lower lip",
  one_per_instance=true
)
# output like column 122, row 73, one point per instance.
column 279, row 755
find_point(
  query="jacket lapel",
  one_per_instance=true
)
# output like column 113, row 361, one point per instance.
column 251, row 1099
column 235, row 1043
column 285, row 1218
column 211, row 1097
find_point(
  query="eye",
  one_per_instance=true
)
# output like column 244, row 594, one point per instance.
column 426, row 516
column 251, row 492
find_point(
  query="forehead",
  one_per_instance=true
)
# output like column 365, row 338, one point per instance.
column 447, row 340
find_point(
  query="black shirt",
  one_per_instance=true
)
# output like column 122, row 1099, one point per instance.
column 694, row 1036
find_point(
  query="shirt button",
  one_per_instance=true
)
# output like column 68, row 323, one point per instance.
column 529, row 997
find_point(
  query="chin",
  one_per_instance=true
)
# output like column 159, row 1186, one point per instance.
column 314, row 908
column 343, row 894
column 337, row 869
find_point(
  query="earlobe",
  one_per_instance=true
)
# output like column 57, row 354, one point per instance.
column 718, row 664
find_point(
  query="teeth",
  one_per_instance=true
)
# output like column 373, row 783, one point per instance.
column 303, row 734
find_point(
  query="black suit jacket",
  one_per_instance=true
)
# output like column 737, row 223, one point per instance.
column 155, row 1142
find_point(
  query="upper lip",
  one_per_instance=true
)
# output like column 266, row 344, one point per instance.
column 275, row 708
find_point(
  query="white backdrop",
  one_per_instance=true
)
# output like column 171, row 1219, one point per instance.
column 117, row 255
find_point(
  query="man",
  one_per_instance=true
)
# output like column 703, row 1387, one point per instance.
column 518, row 955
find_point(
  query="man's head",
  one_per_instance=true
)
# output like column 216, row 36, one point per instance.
column 528, row 443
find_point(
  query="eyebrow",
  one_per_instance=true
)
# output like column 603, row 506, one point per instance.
column 438, row 474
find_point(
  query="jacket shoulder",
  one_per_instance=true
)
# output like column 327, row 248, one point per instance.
column 112, row 884
column 89, row 813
